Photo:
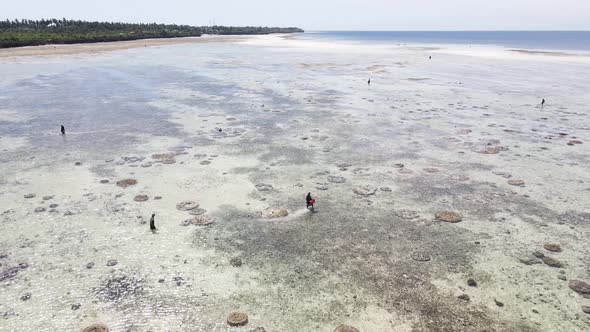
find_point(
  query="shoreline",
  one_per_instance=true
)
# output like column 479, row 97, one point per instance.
column 99, row 47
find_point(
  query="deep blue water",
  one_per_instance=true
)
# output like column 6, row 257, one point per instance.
column 549, row 40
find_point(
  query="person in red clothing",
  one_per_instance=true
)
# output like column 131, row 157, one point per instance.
column 310, row 201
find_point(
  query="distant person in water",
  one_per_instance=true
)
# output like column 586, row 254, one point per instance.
column 63, row 130
column 369, row 82
column 310, row 201
column 542, row 102
column 430, row 57
column 153, row 222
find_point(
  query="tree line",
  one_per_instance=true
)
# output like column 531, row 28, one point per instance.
column 25, row 32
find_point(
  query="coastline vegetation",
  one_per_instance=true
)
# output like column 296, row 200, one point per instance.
column 17, row 33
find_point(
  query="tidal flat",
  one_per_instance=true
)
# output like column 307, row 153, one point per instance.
column 448, row 199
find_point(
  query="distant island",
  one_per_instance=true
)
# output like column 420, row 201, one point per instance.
column 17, row 33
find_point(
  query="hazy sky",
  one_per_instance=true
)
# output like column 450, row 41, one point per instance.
column 323, row 14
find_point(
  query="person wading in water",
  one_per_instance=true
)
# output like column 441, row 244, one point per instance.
column 63, row 130
column 310, row 201
column 153, row 222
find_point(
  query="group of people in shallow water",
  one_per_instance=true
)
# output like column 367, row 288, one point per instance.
column 308, row 199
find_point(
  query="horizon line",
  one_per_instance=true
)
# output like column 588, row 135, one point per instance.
column 499, row 30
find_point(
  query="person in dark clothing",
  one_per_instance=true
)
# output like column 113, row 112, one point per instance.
column 63, row 130
column 542, row 102
column 153, row 222
column 309, row 200
column 369, row 82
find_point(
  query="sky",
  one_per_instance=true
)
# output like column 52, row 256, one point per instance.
column 322, row 14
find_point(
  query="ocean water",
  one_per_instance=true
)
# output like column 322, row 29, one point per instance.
column 537, row 40
column 295, row 120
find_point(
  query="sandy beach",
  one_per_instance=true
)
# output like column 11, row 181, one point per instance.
column 448, row 199
column 93, row 48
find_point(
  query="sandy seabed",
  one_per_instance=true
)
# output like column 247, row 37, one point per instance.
column 447, row 198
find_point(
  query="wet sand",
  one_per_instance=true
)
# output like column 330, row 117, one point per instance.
column 93, row 48
column 550, row 53
column 462, row 133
